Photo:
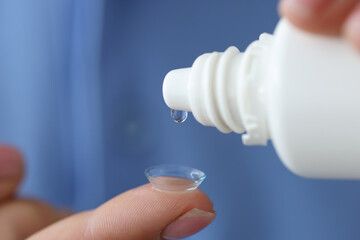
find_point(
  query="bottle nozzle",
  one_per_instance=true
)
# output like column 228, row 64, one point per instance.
column 203, row 90
column 175, row 89
column 224, row 90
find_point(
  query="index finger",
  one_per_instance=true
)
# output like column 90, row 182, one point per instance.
column 318, row 16
column 139, row 214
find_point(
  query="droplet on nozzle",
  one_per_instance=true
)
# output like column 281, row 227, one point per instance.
column 178, row 116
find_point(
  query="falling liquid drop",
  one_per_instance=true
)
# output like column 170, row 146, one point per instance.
column 178, row 116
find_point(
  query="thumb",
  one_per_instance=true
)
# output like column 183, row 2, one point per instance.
column 139, row 214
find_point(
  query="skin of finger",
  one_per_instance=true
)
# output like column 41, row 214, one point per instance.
column 139, row 214
column 327, row 18
column 7, row 189
column 148, row 211
column 72, row 227
column 21, row 218
column 353, row 21
column 11, row 171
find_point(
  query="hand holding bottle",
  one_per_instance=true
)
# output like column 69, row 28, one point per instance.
column 325, row 17
column 297, row 87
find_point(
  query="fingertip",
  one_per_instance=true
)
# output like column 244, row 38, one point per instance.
column 151, row 210
column 139, row 214
column 352, row 28
column 300, row 18
column 302, row 11
column 188, row 224
column 11, row 170
column 195, row 198
column 11, row 164
column 317, row 16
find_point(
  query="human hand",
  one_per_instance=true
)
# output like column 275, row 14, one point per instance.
column 141, row 213
column 332, row 17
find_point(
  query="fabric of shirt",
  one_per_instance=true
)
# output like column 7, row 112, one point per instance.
column 81, row 96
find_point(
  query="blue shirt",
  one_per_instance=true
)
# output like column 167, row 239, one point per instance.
column 80, row 95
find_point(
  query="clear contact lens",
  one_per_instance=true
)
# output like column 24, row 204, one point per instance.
column 174, row 178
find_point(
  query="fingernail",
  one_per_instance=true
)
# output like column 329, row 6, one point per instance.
column 302, row 8
column 352, row 28
column 188, row 224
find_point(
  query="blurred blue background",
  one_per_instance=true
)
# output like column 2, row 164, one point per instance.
column 80, row 95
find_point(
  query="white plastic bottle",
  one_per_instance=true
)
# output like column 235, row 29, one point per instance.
column 298, row 89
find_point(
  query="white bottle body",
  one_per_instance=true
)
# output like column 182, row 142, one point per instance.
column 313, row 103
column 300, row 90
